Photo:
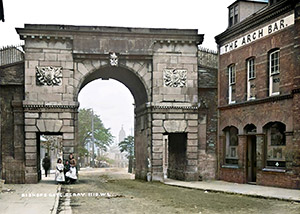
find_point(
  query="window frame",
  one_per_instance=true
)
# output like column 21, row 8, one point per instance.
column 252, row 77
column 233, row 15
column 277, row 72
column 228, row 159
column 231, row 82
column 268, row 145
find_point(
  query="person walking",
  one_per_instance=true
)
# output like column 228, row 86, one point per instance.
column 46, row 164
column 59, row 174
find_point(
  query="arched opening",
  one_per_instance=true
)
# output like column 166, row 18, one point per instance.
column 251, row 164
column 124, row 75
column 231, row 145
column 117, row 78
column 275, row 145
column 250, row 129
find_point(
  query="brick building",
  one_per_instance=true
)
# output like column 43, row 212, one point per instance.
column 258, row 94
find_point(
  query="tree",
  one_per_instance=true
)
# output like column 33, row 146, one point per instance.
column 127, row 145
column 103, row 137
column 51, row 142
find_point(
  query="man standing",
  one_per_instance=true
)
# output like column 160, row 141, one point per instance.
column 46, row 164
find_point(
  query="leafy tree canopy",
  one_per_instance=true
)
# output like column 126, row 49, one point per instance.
column 103, row 137
column 127, row 145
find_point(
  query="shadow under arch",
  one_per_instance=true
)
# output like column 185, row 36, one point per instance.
column 250, row 128
column 122, row 74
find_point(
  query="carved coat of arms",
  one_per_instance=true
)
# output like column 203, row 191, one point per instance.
column 175, row 77
column 113, row 58
column 49, row 76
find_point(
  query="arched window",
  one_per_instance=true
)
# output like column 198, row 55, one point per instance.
column 275, row 144
column 231, row 146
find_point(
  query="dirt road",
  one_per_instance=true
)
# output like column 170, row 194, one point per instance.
column 114, row 191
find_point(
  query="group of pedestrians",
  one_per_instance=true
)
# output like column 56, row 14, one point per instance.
column 65, row 173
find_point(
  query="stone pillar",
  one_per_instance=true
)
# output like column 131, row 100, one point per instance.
column 157, row 146
column 221, row 150
column 31, row 167
column 242, row 151
column 192, row 148
column 260, row 151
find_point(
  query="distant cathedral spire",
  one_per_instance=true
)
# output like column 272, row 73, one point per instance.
column 122, row 134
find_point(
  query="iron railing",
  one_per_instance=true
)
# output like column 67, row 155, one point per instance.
column 11, row 54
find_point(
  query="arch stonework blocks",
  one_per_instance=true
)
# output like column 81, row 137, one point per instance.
column 159, row 67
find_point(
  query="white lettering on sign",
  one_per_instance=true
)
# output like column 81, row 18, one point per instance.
column 258, row 34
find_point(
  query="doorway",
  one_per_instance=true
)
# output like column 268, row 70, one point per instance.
column 251, row 159
column 50, row 145
column 177, row 144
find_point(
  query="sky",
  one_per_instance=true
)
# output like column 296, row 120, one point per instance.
column 111, row 99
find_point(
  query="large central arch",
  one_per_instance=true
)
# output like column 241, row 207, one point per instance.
column 137, row 87
column 159, row 67
column 122, row 74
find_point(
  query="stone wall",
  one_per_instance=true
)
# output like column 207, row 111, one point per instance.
column 12, row 156
column 207, row 89
column 159, row 67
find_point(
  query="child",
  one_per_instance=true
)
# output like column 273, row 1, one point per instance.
column 72, row 173
column 59, row 174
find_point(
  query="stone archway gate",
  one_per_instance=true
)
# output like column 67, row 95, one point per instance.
column 159, row 66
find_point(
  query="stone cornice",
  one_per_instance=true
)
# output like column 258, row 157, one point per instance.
column 189, row 36
column 182, row 106
column 45, row 37
column 255, row 20
column 49, row 106
column 105, row 56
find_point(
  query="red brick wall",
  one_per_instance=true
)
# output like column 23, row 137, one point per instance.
column 277, row 179
column 284, row 40
column 284, row 109
column 232, row 175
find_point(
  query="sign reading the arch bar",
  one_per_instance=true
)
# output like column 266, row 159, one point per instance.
column 258, row 34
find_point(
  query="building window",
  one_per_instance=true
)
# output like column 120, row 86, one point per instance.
column 275, row 145
column 233, row 15
column 274, row 73
column 232, row 87
column 251, row 88
column 236, row 12
column 231, row 155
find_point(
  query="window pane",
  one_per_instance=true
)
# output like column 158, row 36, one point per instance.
column 276, row 82
column 231, row 71
column 276, row 145
column 251, row 68
column 274, row 62
column 231, row 12
column 231, row 146
column 233, row 136
column 236, row 10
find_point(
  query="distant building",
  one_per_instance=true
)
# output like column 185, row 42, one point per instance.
column 258, row 94
column 119, row 158
column 114, row 153
column 122, row 135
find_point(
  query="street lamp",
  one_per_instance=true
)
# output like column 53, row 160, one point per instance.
column 93, row 142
